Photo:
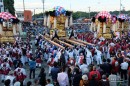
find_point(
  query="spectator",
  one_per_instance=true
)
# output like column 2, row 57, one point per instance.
column 124, row 68
column 70, row 76
column 17, row 84
column 93, row 81
column 7, row 82
column 113, row 79
column 104, row 81
column 36, row 82
column 63, row 78
column 84, row 81
column 29, row 83
column 95, row 73
column 77, row 77
column 54, row 72
column 48, row 81
column 32, row 65
column 42, row 76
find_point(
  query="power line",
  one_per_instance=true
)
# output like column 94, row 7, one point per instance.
column 29, row 8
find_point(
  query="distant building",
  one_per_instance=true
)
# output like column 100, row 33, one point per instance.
column 1, row 6
column 20, row 15
column 25, row 16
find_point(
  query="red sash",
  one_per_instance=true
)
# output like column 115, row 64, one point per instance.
column 38, row 60
column 81, row 59
column 5, row 70
column 51, row 62
column 19, row 75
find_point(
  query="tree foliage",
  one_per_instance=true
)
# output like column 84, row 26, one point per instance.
column 9, row 4
column 80, row 14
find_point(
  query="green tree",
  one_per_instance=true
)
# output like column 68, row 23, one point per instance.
column 9, row 4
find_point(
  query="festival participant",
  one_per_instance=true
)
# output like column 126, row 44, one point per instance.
column 81, row 58
column 55, row 34
column 20, row 74
column 11, row 77
column 5, row 68
column 39, row 62
column 50, row 62
column 98, row 56
column 89, row 57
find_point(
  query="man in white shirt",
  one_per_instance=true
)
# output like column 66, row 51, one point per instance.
column 63, row 78
column 98, row 57
column 89, row 58
column 124, row 67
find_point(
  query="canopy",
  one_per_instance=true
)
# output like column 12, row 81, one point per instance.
column 6, row 15
column 59, row 10
column 104, row 14
column 123, row 16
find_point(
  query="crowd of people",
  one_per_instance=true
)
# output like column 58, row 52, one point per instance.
column 106, row 63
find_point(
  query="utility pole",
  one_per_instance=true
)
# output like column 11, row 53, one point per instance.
column 23, row 5
column 120, row 7
column 43, row 1
column 89, row 11
column 34, row 14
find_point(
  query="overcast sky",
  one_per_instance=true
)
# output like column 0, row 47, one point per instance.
column 74, row 5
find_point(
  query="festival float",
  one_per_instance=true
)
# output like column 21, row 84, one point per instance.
column 123, row 23
column 8, row 27
column 103, row 24
column 57, row 20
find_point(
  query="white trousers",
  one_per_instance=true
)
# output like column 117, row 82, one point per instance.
column 50, row 69
column 38, row 64
column 88, row 60
column 99, row 60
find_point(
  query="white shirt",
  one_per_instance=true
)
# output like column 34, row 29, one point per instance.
column 49, row 85
column 63, row 79
column 22, row 70
column 124, row 66
column 11, row 78
column 83, row 66
column 71, row 54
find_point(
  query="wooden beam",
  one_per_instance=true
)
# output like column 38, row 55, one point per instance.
column 54, row 43
column 80, row 41
column 70, row 46
column 74, row 42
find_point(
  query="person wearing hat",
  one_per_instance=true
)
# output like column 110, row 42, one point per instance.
column 84, row 81
column 11, row 77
